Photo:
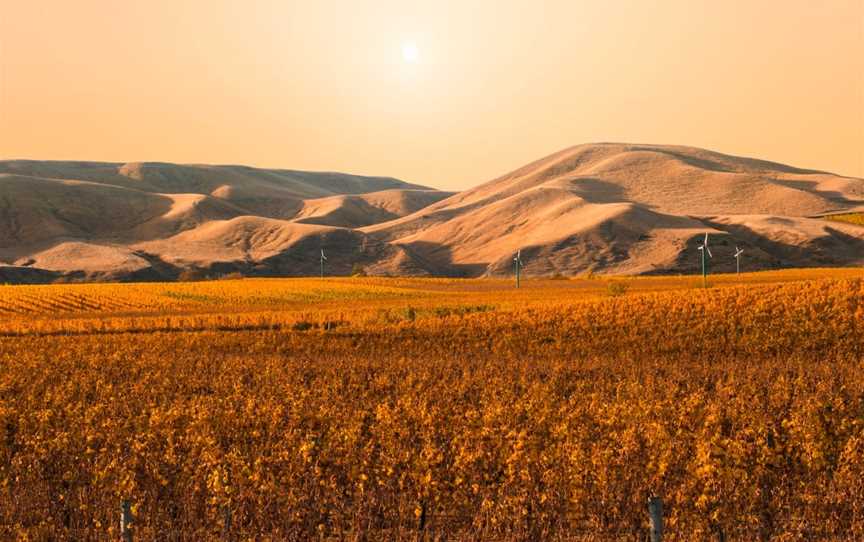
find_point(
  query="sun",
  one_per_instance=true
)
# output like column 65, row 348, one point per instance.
column 410, row 53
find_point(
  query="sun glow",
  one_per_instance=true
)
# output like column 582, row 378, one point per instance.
column 410, row 53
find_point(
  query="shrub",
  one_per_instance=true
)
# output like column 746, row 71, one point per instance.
column 303, row 325
column 617, row 289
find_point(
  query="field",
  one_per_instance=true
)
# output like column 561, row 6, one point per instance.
column 377, row 409
column 851, row 218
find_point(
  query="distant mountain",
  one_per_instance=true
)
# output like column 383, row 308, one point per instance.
column 607, row 208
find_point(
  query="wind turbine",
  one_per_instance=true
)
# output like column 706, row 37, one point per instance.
column 738, row 253
column 706, row 253
column 517, row 263
column 323, row 259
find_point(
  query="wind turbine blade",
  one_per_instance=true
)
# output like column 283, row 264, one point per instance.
column 709, row 251
column 706, row 239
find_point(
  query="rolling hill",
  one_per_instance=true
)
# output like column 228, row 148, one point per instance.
column 619, row 208
column 604, row 208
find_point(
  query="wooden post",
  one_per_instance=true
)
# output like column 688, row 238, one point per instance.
column 421, row 521
column 655, row 517
column 226, row 523
column 126, row 521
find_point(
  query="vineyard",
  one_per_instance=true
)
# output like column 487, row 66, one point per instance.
column 851, row 218
column 436, row 409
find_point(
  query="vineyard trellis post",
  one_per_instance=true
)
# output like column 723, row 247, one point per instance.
column 655, row 518
column 421, row 520
column 226, row 523
column 126, row 521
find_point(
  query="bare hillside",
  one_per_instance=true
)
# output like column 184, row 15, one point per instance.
column 94, row 220
column 622, row 208
column 605, row 208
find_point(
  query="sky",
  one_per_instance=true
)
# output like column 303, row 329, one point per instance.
column 446, row 93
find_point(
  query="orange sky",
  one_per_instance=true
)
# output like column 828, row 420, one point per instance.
column 322, row 84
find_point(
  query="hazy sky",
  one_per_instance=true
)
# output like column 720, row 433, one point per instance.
column 488, row 85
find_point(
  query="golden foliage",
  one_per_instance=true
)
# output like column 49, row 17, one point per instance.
column 357, row 407
column 851, row 218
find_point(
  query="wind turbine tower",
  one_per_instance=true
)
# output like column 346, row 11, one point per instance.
column 738, row 253
column 517, row 263
column 706, row 253
column 323, row 259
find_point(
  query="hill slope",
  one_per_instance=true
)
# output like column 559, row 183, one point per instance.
column 609, row 208
column 95, row 220
column 623, row 208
